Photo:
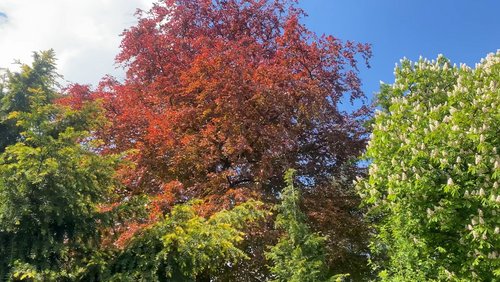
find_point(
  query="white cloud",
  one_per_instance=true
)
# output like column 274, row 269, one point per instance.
column 84, row 34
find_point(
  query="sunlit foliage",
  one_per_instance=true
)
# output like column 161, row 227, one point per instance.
column 434, row 173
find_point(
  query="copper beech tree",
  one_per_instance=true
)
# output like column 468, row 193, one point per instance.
column 221, row 97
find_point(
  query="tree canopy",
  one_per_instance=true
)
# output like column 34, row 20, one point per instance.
column 51, row 179
column 222, row 97
column 175, row 172
column 433, row 182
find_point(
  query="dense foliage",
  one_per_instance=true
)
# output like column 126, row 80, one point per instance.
column 51, row 179
column 54, row 187
column 224, row 96
column 17, row 89
column 176, row 173
column 221, row 97
column 57, row 211
column 434, row 173
column 184, row 246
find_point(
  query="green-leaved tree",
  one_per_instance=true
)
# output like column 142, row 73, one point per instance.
column 433, row 180
column 184, row 246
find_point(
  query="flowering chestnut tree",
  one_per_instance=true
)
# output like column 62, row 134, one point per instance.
column 432, row 189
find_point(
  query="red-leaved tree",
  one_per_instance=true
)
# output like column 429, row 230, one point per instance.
column 222, row 96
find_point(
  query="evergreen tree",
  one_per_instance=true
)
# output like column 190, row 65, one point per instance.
column 299, row 256
column 183, row 246
column 17, row 88
column 51, row 179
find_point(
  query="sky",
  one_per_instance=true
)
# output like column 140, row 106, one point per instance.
column 85, row 34
column 464, row 31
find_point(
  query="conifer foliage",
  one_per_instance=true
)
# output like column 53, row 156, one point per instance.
column 57, row 192
column 175, row 172
column 184, row 246
column 51, row 179
column 299, row 255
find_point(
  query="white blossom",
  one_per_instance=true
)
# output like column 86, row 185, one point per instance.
column 434, row 153
column 478, row 159
column 450, row 182
column 430, row 212
column 481, row 192
column 403, row 176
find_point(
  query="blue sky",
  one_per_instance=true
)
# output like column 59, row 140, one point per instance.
column 462, row 30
